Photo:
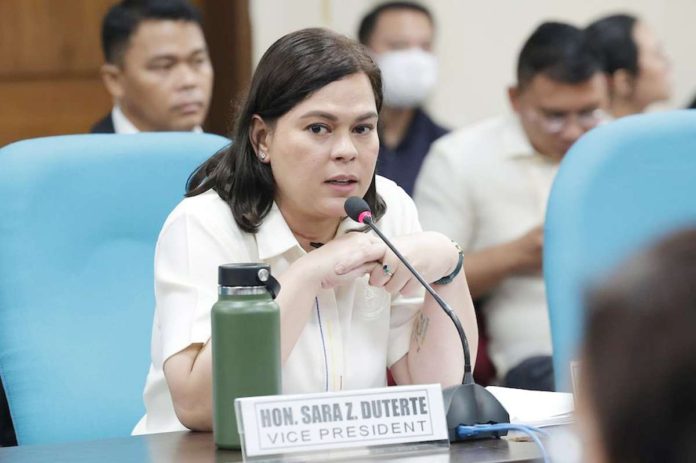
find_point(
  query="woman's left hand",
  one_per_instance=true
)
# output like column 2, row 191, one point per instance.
column 432, row 254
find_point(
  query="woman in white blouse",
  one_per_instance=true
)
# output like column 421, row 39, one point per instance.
column 304, row 141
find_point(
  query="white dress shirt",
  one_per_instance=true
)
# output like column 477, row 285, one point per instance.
column 354, row 333
column 123, row 125
column 483, row 186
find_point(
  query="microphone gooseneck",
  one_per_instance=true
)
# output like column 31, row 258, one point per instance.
column 467, row 403
column 358, row 210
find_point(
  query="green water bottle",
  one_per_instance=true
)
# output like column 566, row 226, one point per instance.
column 245, row 342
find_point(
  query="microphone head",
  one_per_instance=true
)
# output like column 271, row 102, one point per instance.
column 357, row 209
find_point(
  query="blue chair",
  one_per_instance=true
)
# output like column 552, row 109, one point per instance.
column 621, row 186
column 79, row 219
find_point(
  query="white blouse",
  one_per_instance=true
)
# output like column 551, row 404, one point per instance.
column 354, row 333
column 497, row 190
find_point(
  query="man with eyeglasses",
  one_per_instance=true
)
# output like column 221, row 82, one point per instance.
column 486, row 187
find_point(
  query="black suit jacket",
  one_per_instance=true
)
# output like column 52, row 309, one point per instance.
column 105, row 125
column 7, row 434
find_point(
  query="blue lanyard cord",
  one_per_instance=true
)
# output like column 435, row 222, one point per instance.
column 323, row 346
column 531, row 431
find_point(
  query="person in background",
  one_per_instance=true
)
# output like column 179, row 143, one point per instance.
column 305, row 141
column 486, row 186
column 637, row 68
column 636, row 400
column 159, row 74
column 692, row 105
column 400, row 37
column 157, row 67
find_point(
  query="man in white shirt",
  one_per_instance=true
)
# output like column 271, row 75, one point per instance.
column 157, row 67
column 486, row 186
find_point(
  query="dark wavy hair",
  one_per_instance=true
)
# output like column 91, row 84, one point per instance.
column 123, row 19
column 293, row 68
column 369, row 22
column 612, row 38
column 559, row 51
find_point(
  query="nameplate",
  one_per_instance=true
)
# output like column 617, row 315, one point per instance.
column 335, row 420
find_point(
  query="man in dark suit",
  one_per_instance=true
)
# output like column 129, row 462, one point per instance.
column 159, row 74
column 157, row 67
column 400, row 35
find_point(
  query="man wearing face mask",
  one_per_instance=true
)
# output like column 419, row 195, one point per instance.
column 486, row 187
column 400, row 37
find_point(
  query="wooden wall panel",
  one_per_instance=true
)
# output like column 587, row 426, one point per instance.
column 50, row 107
column 49, row 37
column 228, row 31
column 50, row 55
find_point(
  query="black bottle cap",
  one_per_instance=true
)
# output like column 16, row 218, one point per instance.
column 246, row 274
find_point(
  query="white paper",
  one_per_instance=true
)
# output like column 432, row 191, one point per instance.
column 536, row 408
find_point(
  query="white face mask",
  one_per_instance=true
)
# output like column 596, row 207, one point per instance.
column 408, row 76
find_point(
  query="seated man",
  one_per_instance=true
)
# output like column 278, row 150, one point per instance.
column 637, row 68
column 486, row 186
column 157, row 67
column 159, row 74
column 400, row 37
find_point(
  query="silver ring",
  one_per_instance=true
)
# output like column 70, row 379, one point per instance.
column 386, row 268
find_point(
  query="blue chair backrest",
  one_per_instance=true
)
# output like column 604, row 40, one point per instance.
column 79, row 219
column 621, row 186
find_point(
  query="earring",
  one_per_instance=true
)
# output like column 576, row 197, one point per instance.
column 262, row 156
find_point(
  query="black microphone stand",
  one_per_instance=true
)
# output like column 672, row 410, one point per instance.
column 467, row 403
column 468, row 375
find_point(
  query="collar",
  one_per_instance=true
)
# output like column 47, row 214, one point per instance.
column 515, row 143
column 123, row 125
column 275, row 237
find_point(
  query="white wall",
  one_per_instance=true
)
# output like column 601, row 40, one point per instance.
column 478, row 42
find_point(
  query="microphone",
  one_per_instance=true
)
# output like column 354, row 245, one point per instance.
column 467, row 403
column 358, row 210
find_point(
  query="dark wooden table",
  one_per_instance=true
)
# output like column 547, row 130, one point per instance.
column 199, row 447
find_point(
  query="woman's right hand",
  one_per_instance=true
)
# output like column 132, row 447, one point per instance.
column 338, row 262
column 342, row 260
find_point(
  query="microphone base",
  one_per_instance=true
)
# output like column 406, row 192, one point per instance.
column 470, row 404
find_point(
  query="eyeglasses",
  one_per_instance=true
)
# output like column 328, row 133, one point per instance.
column 556, row 122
